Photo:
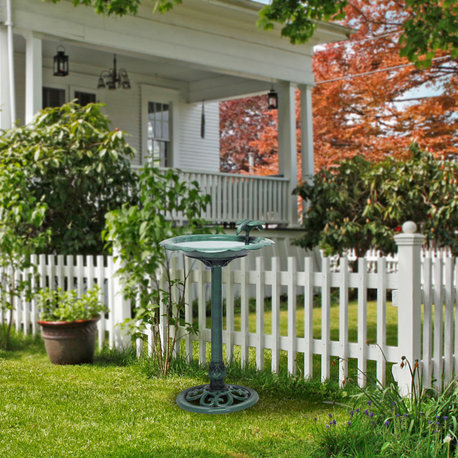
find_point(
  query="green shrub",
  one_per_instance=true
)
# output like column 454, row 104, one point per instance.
column 360, row 204
column 77, row 167
column 59, row 305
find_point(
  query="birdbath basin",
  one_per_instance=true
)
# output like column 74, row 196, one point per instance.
column 216, row 251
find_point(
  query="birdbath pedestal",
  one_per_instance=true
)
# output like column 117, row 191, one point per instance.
column 216, row 251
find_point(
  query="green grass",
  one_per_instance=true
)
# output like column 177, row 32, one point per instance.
column 391, row 321
column 116, row 408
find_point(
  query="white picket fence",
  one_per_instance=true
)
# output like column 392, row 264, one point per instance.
column 424, row 288
column 80, row 273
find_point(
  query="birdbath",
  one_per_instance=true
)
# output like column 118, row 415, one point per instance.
column 217, row 251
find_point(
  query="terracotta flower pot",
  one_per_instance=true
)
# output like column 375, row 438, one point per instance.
column 69, row 342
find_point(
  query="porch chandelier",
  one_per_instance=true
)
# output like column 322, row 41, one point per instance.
column 60, row 62
column 112, row 79
column 272, row 100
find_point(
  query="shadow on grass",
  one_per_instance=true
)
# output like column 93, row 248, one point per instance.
column 110, row 357
column 20, row 345
column 272, row 386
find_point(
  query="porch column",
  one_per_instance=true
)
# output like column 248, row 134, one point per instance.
column 307, row 133
column 5, row 103
column 287, row 148
column 33, row 76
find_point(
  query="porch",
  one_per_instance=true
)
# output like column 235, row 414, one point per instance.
column 235, row 197
column 179, row 67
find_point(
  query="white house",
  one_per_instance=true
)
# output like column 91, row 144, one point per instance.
column 177, row 65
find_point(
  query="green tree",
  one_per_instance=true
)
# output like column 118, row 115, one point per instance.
column 78, row 167
column 429, row 25
column 135, row 231
column 21, row 215
column 359, row 204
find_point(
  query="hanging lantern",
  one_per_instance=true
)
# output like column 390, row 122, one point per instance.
column 60, row 62
column 272, row 100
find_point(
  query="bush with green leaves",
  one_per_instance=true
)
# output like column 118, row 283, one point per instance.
column 360, row 204
column 61, row 305
column 21, row 218
column 72, row 162
column 167, row 207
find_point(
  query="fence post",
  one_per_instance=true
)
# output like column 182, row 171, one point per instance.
column 409, row 304
column 121, row 307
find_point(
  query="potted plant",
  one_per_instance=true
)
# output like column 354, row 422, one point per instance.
column 69, row 324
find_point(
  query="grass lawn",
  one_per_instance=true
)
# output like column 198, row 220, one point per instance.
column 115, row 408
column 111, row 408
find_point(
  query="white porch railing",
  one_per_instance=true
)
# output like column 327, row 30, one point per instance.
column 236, row 197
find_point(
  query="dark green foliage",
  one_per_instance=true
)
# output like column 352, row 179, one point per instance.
column 433, row 26
column 167, row 207
column 298, row 17
column 21, row 216
column 359, row 204
column 72, row 163
column 429, row 26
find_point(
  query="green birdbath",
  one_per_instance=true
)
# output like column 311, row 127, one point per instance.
column 217, row 251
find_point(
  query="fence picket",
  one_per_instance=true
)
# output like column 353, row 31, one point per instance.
column 438, row 326
column 308, row 317
column 259, row 313
column 381, row 319
column 275, row 315
column 244, row 314
column 35, row 286
column 427, row 321
column 325, row 320
column 188, row 307
column 79, row 275
column 201, row 313
column 59, row 269
column 362, row 322
column 100, row 278
column 227, row 275
column 111, row 298
column 292, row 340
column 343, row 320
column 448, row 320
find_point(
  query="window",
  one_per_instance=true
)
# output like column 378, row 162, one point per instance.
column 158, row 137
column 83, row 98
column 53, row 97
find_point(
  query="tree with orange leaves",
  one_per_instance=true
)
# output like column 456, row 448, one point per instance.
column 368, row 100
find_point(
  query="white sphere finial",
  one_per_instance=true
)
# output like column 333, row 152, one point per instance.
column 409, row 227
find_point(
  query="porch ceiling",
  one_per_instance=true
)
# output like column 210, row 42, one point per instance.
column 196, row 82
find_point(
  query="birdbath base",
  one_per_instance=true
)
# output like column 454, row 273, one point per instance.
column 231, row 398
